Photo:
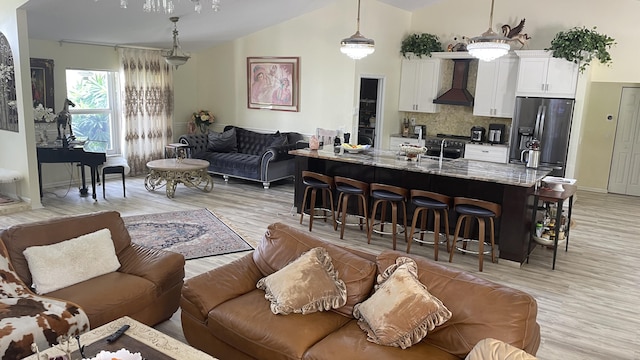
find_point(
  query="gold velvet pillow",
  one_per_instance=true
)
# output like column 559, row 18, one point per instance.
column 401, row 311
column 306, row 285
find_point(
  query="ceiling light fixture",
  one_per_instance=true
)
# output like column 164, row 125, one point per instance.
column 175, row 57
column 167, row 6
column 488, row 46
column 357, row 46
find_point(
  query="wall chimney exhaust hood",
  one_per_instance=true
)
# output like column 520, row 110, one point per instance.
column 458, row 94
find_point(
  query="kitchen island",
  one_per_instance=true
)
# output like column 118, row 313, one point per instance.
column 509, row 185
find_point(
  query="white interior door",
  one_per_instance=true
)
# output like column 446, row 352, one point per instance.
column 624, row 177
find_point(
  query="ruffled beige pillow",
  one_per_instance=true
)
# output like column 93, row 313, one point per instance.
column 401, row 311
column 306, row 285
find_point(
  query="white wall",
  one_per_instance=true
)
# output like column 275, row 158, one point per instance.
column 16, row 153
column 544, row 18
column 328, row 79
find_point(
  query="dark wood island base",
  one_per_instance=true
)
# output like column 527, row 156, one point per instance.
column 511, row 186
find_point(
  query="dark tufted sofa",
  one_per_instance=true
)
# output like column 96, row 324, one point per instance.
column 258, row 156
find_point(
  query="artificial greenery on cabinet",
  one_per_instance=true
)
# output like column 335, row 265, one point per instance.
column 581, row 45
column 420, row 45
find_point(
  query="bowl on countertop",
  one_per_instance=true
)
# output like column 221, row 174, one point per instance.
column 412, row 151
column 355, row 148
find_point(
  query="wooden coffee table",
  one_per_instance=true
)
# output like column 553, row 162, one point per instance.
column 149, row 342
column 170, row 172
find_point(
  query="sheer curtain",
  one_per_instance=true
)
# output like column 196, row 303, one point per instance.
column 147, row 110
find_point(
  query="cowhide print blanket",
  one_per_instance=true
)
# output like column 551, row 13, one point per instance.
column 26, row 318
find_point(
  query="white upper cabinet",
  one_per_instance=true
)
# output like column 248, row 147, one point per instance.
column 540, row 74
column 419, row 85
column 496, row 87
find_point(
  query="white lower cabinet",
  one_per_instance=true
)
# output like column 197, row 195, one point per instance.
column 482, row 152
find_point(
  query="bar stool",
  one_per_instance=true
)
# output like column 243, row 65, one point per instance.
column 439, row 204
column 468, row 209
column 383, row 195
column 325, row 184
column 347, row 187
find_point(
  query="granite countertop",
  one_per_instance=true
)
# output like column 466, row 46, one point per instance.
column 509, row 174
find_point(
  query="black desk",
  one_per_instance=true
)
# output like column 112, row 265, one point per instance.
column 72, row 155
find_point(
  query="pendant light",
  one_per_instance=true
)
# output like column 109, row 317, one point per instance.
column 488, row 46
column 357, row 46
column 175, row 57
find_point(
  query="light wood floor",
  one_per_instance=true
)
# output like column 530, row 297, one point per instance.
column 588, row 308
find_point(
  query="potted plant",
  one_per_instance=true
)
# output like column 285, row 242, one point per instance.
column 581, row 45
column 420, row 44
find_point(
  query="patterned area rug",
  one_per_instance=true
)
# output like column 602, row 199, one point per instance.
column 193, row 233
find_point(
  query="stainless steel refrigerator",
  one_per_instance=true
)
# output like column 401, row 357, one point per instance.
column 547, row 120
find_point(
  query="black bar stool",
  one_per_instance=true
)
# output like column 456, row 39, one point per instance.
column 439, row 205
column 392, row 195
column 347, row 187
column 469, row 209
column 325, row 184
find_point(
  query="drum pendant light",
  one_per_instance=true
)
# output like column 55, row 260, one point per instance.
column 357, row 46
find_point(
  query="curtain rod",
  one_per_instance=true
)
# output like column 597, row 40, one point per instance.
column 115, row 46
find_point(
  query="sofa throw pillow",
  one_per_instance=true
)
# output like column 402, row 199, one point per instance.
column 71, row 261
column 279, row 139
column 306, row 285
column 401, row 311
column 224, row 142
column 492, row 349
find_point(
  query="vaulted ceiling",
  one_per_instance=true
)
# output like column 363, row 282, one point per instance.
column 105, row 22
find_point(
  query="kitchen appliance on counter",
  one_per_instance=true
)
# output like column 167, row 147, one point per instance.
column 547, row 120
column 532, row 154
column 419, row 130
column 453, row 147
column 497, row 133
column 477, row 134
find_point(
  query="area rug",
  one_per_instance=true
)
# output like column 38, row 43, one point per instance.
column 192, row 233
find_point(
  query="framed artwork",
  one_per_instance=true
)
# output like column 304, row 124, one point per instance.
column 8, row 109
column 42, row 83
column 273, row 83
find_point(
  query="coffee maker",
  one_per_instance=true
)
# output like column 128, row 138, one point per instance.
column 496, row 133
column 477, row 134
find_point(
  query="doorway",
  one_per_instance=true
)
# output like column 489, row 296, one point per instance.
column 624, row 177
column 370, row 110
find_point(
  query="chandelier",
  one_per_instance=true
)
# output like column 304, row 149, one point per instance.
column 175, row 57
column 357, row 46
column 488, row 46
column 167, row 6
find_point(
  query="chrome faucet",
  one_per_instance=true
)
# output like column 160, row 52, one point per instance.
column 442, row 144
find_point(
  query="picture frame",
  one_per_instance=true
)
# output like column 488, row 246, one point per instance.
column 273, row 83
column 42, row 83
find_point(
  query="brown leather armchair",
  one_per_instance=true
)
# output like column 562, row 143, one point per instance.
column 146, row 287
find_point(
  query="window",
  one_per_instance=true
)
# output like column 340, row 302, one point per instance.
column 95, row 116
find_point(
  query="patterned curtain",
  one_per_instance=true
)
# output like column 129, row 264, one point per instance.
column 147, row 110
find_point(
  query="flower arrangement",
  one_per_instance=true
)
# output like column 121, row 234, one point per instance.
column 203, row 118
column 42, row 114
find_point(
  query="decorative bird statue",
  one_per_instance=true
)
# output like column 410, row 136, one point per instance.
column 514, row 34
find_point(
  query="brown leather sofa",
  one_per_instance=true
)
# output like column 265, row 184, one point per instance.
column 146, row 287
column 224, row 314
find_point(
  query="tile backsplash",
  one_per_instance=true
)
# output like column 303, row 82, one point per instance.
column 453, row 119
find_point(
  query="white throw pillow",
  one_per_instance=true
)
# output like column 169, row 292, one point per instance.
column 72, row 261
